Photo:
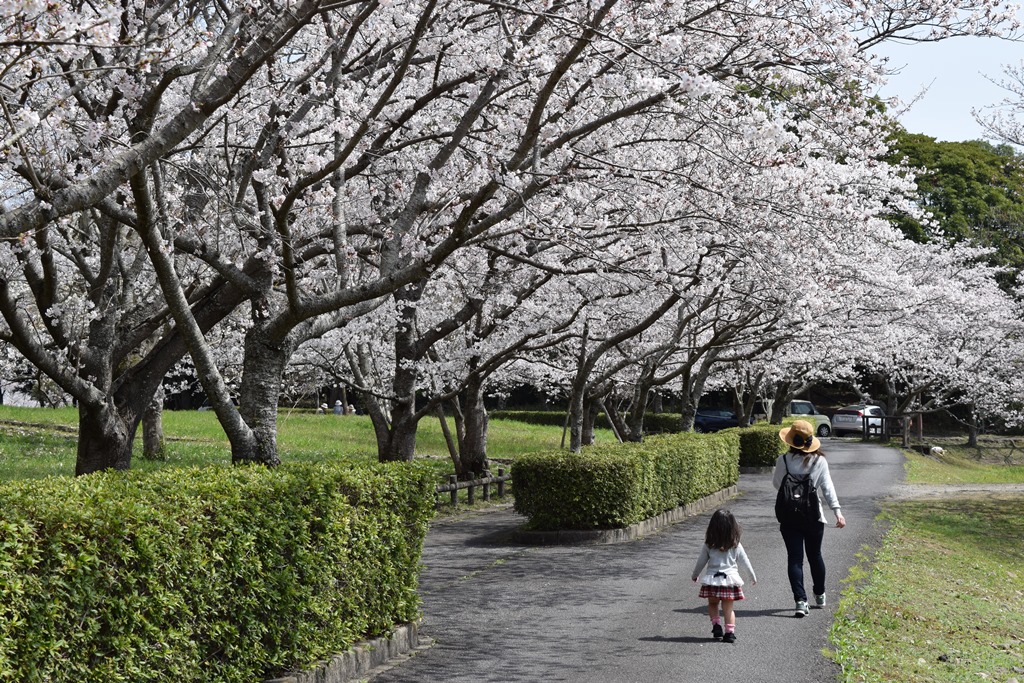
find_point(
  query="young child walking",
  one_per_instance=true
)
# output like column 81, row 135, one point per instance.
column 721, row 582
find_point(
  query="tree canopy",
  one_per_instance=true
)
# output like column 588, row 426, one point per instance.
column 449, row 196
column 972, row 190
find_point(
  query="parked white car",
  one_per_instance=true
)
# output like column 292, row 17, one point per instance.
column 850, row 420
column 803, row 409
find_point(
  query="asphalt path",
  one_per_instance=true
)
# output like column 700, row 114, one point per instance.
column 629, row 612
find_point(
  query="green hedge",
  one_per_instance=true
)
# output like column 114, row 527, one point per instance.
column 615, row 486
column 213, row 574
column 654, row 423
column 662, row 423
column 760, row 445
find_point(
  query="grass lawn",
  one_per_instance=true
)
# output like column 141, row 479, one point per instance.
column 995, row 461
column 38, row 442
column 942, row 598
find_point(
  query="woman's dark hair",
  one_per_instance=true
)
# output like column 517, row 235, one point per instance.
column 723, row 531
column 806, row 454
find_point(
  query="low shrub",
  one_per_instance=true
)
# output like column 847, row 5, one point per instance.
column 214, row 574
column 582, row 490
column 615, row 486
column 760, row 445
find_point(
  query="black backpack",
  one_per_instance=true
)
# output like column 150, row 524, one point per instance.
column 797, row 501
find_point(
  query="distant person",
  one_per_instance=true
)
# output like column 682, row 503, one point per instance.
column 721, row 582
column 350, row 409
column 338, row 408
column 805, row 461
column 322, row 409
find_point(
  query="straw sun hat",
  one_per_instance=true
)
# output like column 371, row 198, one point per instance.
column 800, row 436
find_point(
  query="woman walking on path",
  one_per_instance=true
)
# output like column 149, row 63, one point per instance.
column 723, row 554
column 805, row 460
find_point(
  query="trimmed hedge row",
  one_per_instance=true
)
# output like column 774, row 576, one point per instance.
column 654, row 423
column 760, row 445
column 230, row 574
column 614, row 486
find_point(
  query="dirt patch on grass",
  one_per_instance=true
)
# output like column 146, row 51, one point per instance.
column 918, row 491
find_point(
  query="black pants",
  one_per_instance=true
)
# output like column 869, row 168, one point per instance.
column 799, row 538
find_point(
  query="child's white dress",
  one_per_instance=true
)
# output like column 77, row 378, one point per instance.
column 721, row 577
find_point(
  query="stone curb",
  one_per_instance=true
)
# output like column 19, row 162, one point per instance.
column 625, row 534
column 360, row 659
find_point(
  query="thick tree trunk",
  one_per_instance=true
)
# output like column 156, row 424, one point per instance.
column 590, row 413
column 400, row 445
column 576, row 419
column 691, row 391
column 743, row 400
column 473, row 442
column 104, row 439
column 262, row 372
column 577, row 395
column 614, row 417
column 687, row 412
column 633, row 429
column 632, row 423
column 379, row 417
column 784, row 392
column 153, row 428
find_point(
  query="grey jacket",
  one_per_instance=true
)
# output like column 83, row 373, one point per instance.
column 722, row 566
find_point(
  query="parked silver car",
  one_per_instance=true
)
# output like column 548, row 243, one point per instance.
column 850, row 420
column 806, row 411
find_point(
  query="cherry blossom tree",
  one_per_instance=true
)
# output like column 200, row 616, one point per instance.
column 957, row 335
column 91, row 95
column 437, row 351
column 164, row 166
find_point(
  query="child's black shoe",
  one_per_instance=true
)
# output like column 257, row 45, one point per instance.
column 729, row 637
column 716, row 631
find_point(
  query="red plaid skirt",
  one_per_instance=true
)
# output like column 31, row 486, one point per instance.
column 722, row 592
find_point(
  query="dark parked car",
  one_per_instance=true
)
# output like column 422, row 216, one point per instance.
column 713, row 419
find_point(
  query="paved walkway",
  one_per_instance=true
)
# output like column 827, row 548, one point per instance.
column 629, row 612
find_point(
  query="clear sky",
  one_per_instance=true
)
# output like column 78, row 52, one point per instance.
column 954, row 72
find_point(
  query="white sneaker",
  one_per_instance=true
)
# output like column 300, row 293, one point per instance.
column 801, row 608
column 819, row 600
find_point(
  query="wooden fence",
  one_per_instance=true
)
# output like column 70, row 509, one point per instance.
column 883, row 427
column 483, row 482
